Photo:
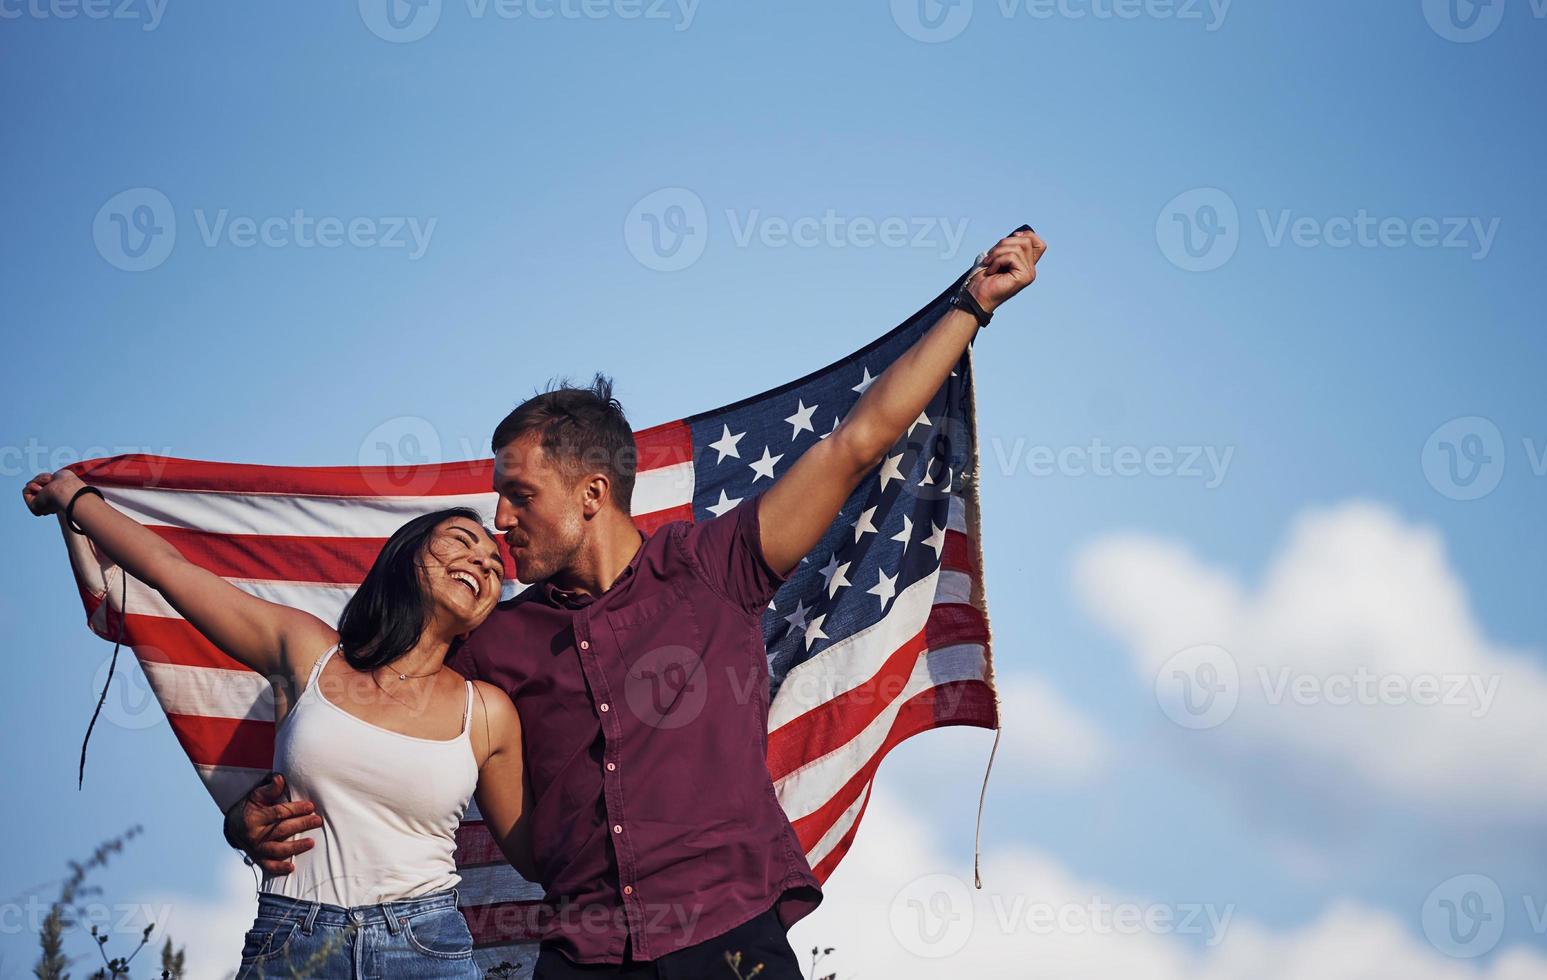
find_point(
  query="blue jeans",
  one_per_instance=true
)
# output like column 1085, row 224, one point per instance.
column 414, row 939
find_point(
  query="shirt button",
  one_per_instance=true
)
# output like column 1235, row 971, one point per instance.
column 617, row 828
column 604, row 705
column 585, row 644
column 611, row 767
column 628, row 889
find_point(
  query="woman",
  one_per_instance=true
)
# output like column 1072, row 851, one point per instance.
column 371, row 725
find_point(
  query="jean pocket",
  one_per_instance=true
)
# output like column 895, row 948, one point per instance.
column 442, row 933
column 267, row 939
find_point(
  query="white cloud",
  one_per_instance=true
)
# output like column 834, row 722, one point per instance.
column 211, row 931
column 1358, row 652
column 895, row 892
column 1045, row 734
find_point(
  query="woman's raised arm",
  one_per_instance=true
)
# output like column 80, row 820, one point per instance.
column 252, row 631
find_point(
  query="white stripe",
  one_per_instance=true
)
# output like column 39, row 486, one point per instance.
column 324, row 601
column 495, row 883
column 227, row 784
column 662, row 488
column 957, row 518
column 954, row 587
column 854, row 659
column 841, row 826
column 216, row 512
column 805, row 790
column 210, row 692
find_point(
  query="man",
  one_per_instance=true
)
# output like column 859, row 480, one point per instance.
column 638, row 668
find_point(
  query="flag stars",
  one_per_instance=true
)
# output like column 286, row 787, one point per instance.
column 891, row 470
column 814, row 630
column 906, row 534
column 921, row 420
column 726, row 446
column 797, row 619
column 725, row 505
column 765, row 466
column 801, row 420
column 835, row 575
column 936, row 540
column 884, row 589
column 864, row 383
column 836, row 422
column 863, row 526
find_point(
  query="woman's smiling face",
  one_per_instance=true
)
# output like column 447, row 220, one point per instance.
column 462, row 572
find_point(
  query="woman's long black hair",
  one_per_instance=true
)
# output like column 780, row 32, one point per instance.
column 387, row 614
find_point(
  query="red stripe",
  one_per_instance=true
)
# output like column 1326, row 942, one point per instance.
column 505, row 922
column 824, row 868
column 158, row 639
column 225, row 741
column 475, row 845
column 662, row 445
column 956, row 703
column 959, row 555
column 835, row 721
column 277, row 557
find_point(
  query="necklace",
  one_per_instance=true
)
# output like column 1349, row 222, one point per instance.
column 403, row 677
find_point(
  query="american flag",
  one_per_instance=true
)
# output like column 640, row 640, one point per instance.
column 880, row 633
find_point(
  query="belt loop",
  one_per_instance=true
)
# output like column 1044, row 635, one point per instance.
column 311, row 918
column 393, row 925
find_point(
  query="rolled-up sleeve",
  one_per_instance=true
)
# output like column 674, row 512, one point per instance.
column 727, row 552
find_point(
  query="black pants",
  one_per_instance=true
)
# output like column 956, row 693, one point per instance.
column 760, row 940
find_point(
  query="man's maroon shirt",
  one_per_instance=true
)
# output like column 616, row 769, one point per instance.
column 644, row 712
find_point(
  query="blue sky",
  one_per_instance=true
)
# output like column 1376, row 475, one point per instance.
column 1320, row 370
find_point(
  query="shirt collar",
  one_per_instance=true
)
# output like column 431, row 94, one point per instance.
column 569, row 599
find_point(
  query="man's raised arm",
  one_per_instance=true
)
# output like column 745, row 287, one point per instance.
column 798, row 509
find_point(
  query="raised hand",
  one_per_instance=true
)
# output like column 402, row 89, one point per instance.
column 1010, row 266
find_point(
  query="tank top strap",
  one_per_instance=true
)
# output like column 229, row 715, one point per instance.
column 311, row 679
column 467, row 716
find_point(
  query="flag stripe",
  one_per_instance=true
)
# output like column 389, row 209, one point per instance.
column 661, row 446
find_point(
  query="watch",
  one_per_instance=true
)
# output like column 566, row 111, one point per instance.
column 963, row 299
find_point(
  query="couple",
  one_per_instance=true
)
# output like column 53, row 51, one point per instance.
column 659, row 849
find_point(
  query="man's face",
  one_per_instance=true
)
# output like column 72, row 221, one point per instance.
column 541, row 509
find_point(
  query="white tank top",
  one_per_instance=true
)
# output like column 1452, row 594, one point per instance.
column 390, row 803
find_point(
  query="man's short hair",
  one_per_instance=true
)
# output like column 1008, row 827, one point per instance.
column 583, row 430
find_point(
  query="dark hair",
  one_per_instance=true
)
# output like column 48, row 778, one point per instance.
column 584, row 430
column 387, row 614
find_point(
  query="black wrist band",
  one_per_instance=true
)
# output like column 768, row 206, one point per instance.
column 70, row 507
column 964, row 300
